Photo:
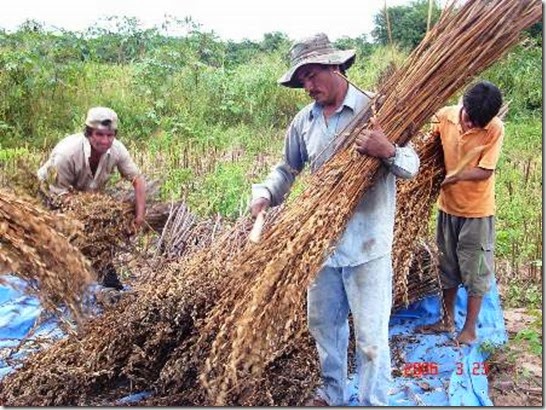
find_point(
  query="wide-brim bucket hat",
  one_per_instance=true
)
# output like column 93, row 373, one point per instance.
column 315, row 50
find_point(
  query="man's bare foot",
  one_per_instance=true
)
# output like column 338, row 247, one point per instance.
column 439, row 327
column 467, row 337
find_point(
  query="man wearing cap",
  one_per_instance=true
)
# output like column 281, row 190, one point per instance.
column 85, row 162
column 357, row 276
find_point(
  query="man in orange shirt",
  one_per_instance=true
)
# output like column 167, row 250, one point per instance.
column 471, row 134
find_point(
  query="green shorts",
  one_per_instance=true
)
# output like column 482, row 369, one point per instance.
column 466, row 252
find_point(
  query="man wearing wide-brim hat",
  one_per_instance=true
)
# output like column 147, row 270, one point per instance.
column 357, row 276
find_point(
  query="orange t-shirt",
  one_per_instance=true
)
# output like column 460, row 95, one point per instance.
column 470, row 199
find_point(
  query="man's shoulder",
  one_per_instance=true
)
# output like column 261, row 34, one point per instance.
column 449, row 112
column 118, row 145
column 119, row 150
column 305, row 112
column 496, row 124
column 69, row 145
column 358, row 99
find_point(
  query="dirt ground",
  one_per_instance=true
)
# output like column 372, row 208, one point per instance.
column 515, row 377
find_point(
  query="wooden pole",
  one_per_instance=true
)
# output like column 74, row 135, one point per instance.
column 429, row 14
column 388, row 23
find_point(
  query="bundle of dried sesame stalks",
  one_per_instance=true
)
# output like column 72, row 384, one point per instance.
column 36, row 246
column 415, row 267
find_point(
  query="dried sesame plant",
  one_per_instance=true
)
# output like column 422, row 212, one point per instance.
column 414, row 255
column 257, row 313
column 36, row 246
column 106, row 223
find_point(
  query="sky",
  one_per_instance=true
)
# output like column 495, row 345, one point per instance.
column 229, row 19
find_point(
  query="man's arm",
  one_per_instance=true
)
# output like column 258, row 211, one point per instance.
column 139, row 184
column 272, row 191
column 129, row 170
column 60, row 174
column 472, row 174
column 405, row 163
column 487, row 162
column 402, row 161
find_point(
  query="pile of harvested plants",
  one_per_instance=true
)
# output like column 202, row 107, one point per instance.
column 36, row 246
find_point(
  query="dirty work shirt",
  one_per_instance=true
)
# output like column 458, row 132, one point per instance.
column 369, row 232
column 469, row 199
column 70, row 159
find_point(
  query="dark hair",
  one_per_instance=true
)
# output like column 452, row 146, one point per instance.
column 482, row 101
column 87, row 131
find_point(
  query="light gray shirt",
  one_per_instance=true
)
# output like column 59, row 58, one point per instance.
column 69, row 161
column 369, row 233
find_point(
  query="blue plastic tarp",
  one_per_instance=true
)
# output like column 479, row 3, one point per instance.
column 450, row 375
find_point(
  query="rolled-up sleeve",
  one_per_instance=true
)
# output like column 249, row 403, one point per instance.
column 281, row 178
column 405, row 163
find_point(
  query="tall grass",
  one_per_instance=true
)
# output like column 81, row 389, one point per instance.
column 519, row 200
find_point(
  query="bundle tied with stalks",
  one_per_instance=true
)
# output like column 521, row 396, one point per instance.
column 36, row 246
column 106, row 220
column 255, row 315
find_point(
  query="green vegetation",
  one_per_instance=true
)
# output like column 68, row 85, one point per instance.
column 407, row 24
column 208, row 118
column 533, row 338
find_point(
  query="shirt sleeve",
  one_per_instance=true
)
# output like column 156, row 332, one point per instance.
column 490, row 156
column 281, row 178
column 44, row 170
column 125, row 164
column 405, row 163
column 64, row 171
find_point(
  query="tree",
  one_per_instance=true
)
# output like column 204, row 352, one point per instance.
column 274, row 42
column 360, row 43
column 408, row 24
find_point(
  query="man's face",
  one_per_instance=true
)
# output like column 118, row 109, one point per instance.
column 102, row 140
column 319, row 81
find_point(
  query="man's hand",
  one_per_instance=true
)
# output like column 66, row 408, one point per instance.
column 258, row 205
column 137, row 224
column 375, row 143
